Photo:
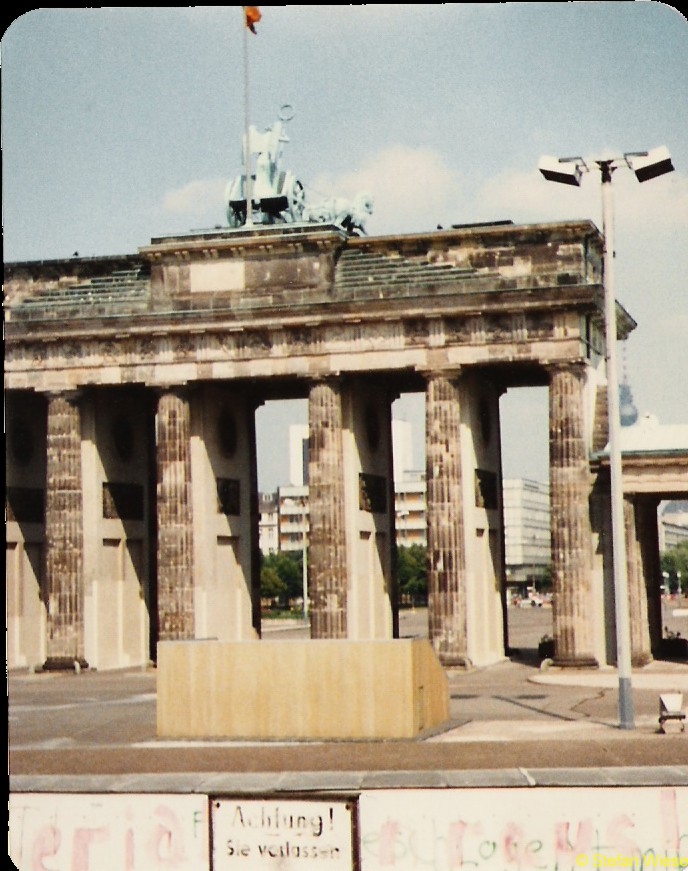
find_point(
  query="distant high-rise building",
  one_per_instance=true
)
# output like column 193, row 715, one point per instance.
column 402, row 448
column 526, row 531
column 298, row 454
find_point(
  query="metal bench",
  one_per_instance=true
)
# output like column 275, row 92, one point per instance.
column 671, row 708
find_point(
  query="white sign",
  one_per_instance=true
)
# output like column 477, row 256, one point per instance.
column 285, row 834
column 66, row 832
column 525, row 829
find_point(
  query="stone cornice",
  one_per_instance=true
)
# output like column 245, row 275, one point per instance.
column 256, row 241
column 491, row 233
column 540, row 302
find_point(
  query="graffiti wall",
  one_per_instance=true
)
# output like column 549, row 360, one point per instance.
column 565, row 829
column 66, row 832
column 478, row 829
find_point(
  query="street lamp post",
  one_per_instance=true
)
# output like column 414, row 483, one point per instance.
column 569, row 170
column 304, row 560
column 666, row 577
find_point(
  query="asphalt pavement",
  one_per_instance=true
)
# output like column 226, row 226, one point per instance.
column 511, row 722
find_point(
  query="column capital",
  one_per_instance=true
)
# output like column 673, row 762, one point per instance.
column 73, row 397
column 325, row 378
column 182, row 389
column 451, row 373
column 576, row 366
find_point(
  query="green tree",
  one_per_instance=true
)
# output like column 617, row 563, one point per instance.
column 545, row 581
column 675, row 561
column 271, row 585
column 287, row 567
column 412, row 572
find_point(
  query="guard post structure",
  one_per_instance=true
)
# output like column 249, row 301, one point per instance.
column 324, row 689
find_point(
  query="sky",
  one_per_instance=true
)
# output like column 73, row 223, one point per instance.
column 124, row 123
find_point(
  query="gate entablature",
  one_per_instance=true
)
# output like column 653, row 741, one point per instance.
column 297, row 301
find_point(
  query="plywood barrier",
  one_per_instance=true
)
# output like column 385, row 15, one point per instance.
column 299, row 689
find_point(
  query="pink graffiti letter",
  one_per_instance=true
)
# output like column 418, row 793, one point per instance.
column 388, row 837
column 669, row 815
column 81, row 846
column 165, row 843
column 565, row 851
column 47, row 844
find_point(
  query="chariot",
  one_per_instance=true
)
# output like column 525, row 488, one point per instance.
column 277, row 196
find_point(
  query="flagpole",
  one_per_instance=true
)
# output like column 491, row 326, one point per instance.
column 247, row 147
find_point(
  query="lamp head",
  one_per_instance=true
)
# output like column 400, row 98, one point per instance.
column 563, row 170
column 650, row 164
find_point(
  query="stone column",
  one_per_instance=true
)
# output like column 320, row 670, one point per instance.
column 327, row 567
column 637, row 597
column 174, row 511
column 570, row 518
column 254, row 515
column 446, row 540
column 64, row 536
column 646, row 595
column 391, row 496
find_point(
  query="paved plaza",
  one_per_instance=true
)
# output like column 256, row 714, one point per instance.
column 513, row 719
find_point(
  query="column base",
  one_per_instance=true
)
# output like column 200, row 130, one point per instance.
column 451, row 660
column 64, row 663
column 575, row 662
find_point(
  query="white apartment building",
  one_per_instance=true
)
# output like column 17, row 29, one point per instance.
column 526, row 506
column 673, row 524
column 410, row 502
column 268, row 523
column 293, row 518
column 284, row 515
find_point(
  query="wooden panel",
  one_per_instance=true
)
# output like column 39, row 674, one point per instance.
column 299, row 689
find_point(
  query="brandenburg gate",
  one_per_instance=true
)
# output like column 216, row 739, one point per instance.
column 131, row 389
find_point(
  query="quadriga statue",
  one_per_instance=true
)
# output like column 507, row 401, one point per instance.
column 276, row 195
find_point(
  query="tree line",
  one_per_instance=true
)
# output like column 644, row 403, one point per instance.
column 675, row 568
column 281, row 578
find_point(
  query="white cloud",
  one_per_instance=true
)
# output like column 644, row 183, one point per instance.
column 196, row 199
column 527, row 198
column 413, row 189
column 661, row 203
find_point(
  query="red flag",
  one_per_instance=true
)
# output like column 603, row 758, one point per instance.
column 253, row 16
